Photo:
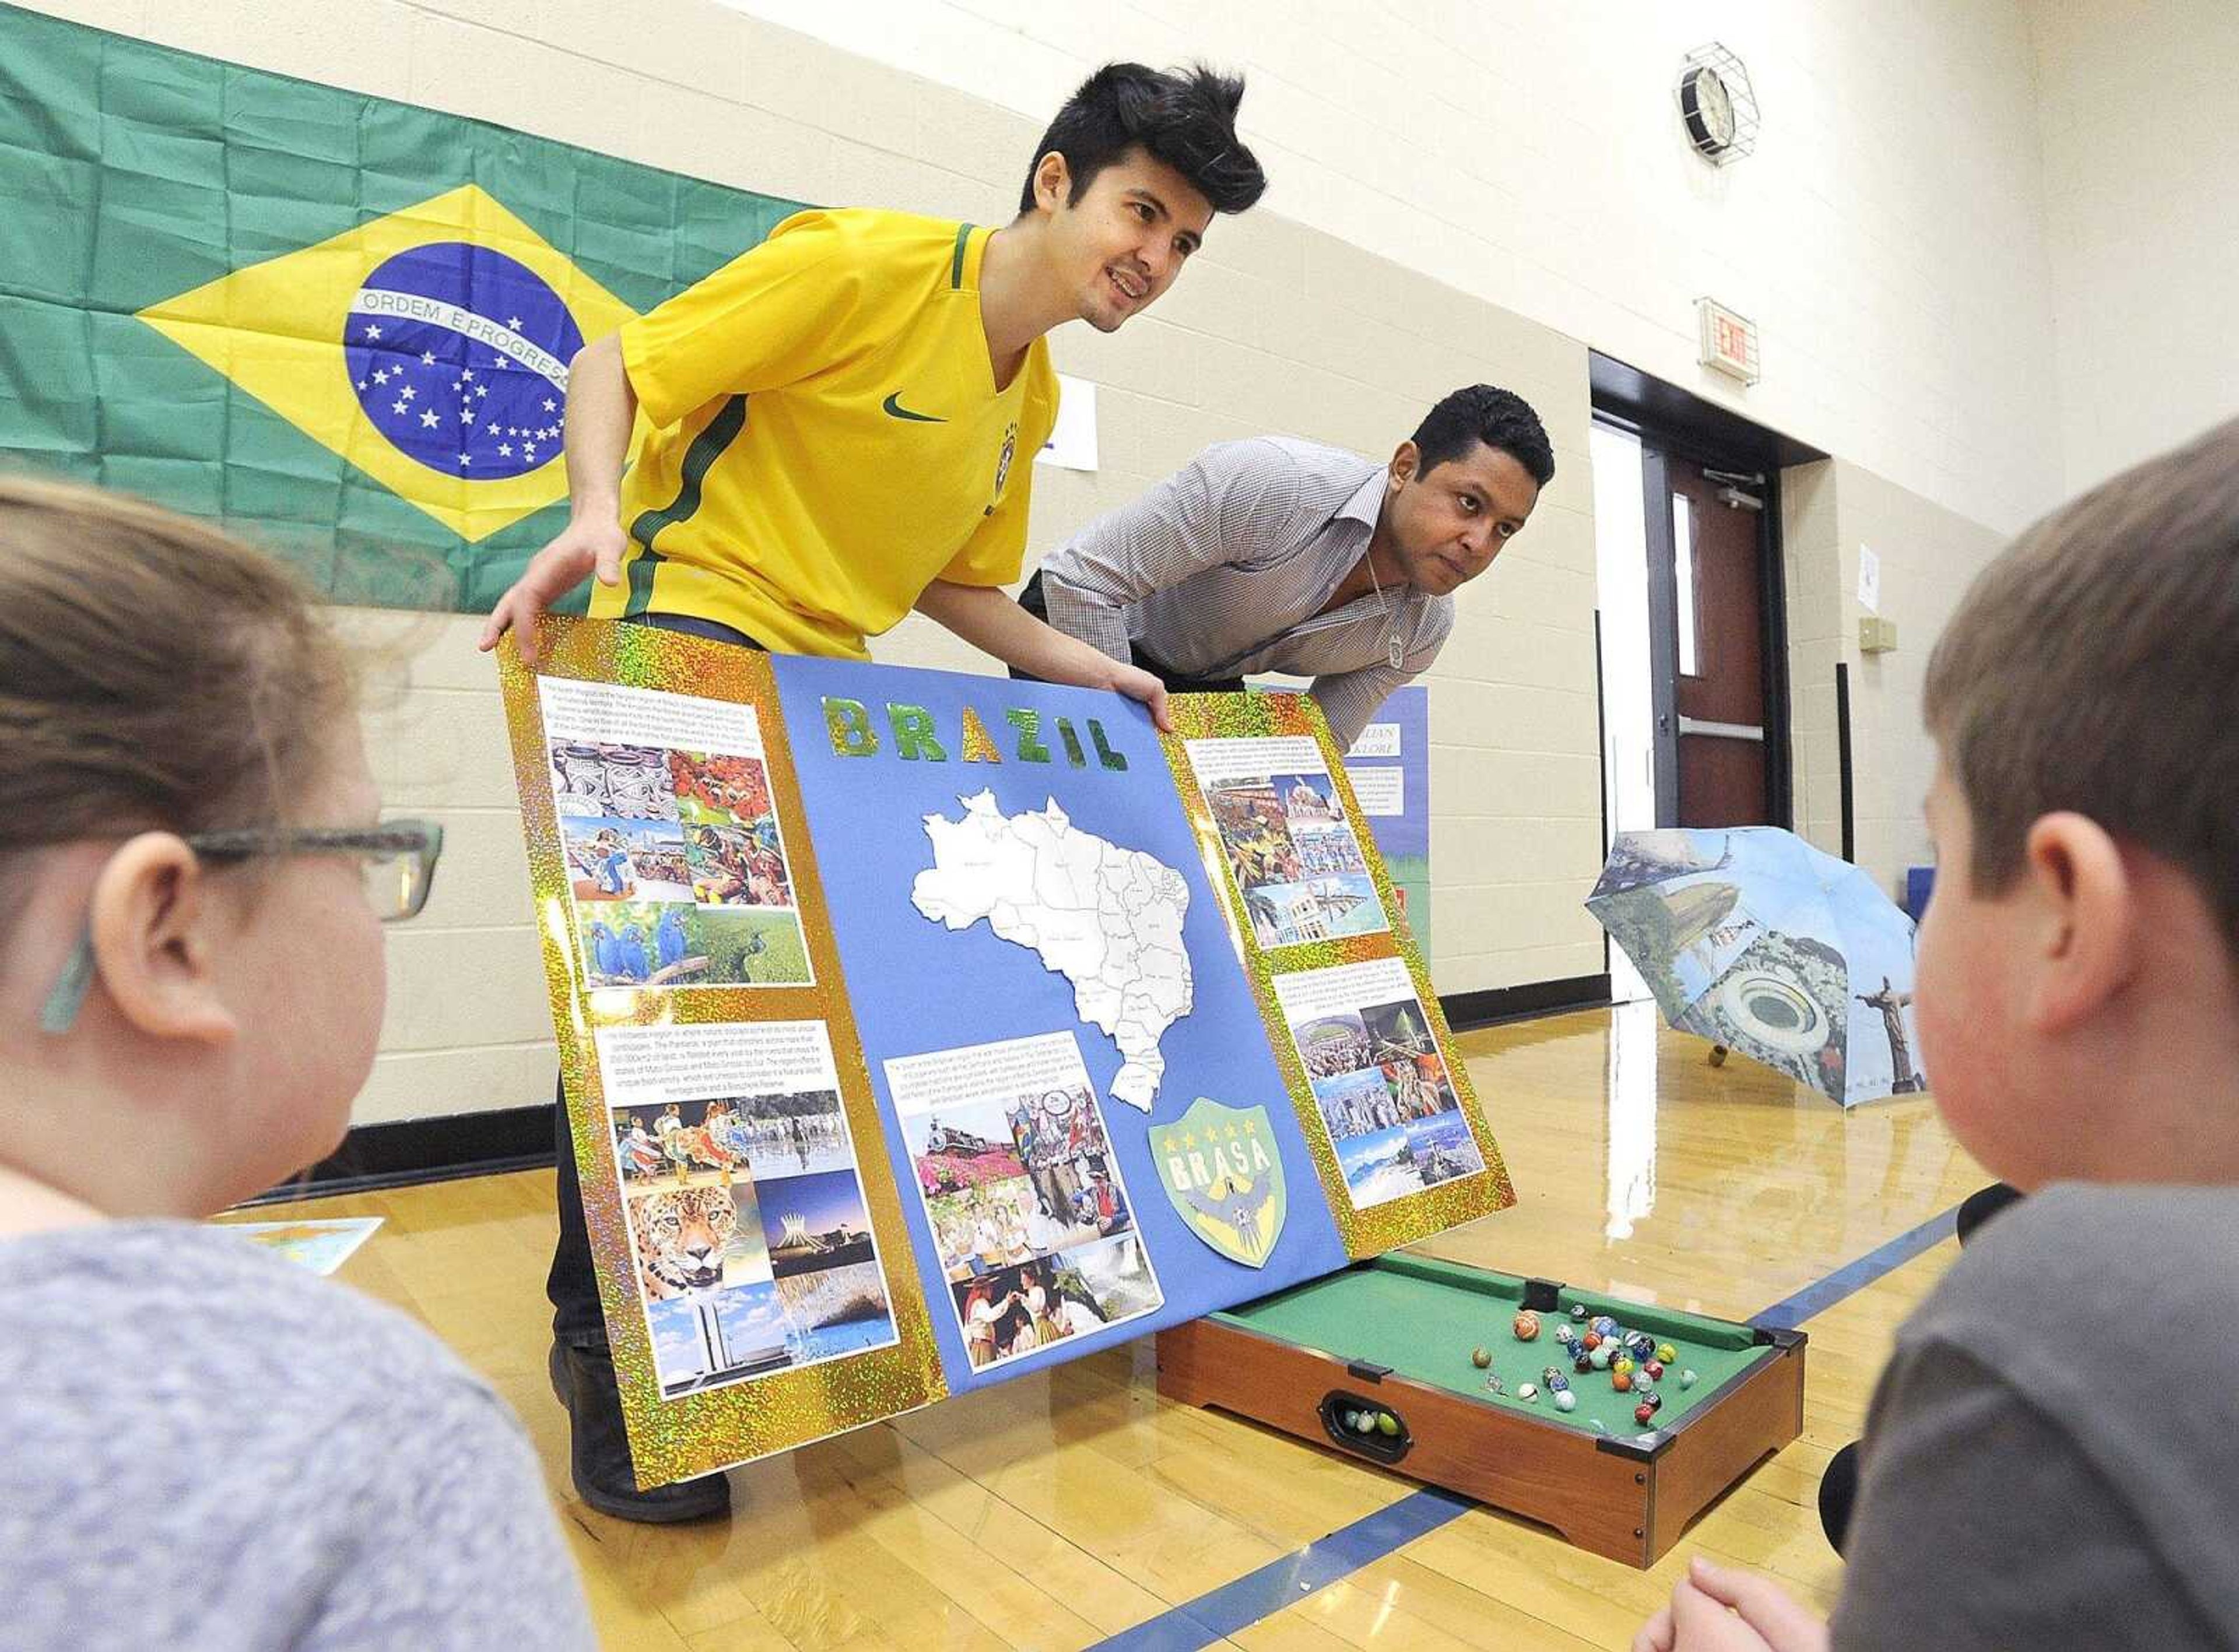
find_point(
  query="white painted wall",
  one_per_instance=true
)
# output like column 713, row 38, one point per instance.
column 1887, row 236
column 2138, row 109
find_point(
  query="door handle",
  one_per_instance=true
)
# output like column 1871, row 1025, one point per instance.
column 1721, row 731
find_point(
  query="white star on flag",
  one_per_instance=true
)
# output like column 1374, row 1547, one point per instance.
column 551, row 405
column 467, row 373
column 409, row 393
column 466, row 458
column 505, row 450
column 481, row 390
column 513, row 323
column 372, row 332
column 427, row 419
column 427, row 358
column 380, row 375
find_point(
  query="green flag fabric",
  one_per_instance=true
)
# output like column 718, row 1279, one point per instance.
column 338, row 324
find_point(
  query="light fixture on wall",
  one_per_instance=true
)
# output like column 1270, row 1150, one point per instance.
column 1717, row 104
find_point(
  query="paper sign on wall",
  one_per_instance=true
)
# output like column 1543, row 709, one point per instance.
column 1072, row 445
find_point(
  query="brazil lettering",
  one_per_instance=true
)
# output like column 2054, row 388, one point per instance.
column 914, row 735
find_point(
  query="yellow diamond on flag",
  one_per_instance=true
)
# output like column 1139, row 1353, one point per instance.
column 429, row 348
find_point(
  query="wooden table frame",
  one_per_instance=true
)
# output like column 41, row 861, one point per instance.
column 1627, row 1497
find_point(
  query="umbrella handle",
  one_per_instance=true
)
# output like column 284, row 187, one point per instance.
column 1717, row 1055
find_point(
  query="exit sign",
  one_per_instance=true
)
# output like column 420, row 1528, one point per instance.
column 1728, row 340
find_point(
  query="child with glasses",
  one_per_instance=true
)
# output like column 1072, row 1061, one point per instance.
column 206, row 1444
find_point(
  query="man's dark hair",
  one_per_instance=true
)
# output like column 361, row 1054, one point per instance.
column 1187, row 120
column 1485, row 413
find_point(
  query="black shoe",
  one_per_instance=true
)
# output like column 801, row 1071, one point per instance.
column 1838, row 1492
column 598, row 1456
column 1979, row 1207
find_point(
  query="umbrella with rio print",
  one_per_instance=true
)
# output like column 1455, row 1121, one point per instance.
column 1760, row 943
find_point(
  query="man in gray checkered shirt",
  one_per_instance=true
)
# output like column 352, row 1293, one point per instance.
column 1278, row 554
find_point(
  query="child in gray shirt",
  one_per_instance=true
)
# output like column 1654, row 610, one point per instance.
column 2049, row 1452
column 204, row 1446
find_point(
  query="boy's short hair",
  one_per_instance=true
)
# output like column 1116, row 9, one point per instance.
column 1187, row 119
column 2093, row 667
column 1484, row 413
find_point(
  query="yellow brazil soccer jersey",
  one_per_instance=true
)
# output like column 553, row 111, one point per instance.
column 829, row 438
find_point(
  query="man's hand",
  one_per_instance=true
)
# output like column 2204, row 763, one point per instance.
column 988, row 620
column 1762, row 1617
column 1138, row 684
column 585, row 546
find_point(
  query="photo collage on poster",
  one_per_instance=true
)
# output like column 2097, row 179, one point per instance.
column 676, row 865
column 1380, row 1084
column 1294, row 855
column 1033, row 1222
column 744, row 1200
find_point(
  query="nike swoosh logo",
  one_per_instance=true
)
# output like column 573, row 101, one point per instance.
column 893, row 404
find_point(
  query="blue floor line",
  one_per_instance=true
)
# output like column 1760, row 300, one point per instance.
column 1213, row 1616
column 1220, row 1613
column 1854, row 1276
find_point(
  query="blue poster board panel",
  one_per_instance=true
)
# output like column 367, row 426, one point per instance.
column 1389, row 767
column 994, row 830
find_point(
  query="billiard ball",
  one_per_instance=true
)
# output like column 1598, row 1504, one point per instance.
column 1565, row 1400
column 1527, row 1326
column 1590, row 1341
column 1603, row 1326
column 1687, row 1379
column 1620, row 1380
column 1644, row 1413
column 1667, row 1353
column 1387, row 1424
column 1579, row 1312
column 1480, row 1358
column 1549, row 1378
column 1622, row 1366
column 1364, row 1422
column 1641, row 1346
column 1557, row 1383
column 1582, row 1363
column 1654, row 1368
column 1527, row 1391
column 1599, row 1359
column 1649, row 1397
column 1597, row 1425
column 1564, row 1333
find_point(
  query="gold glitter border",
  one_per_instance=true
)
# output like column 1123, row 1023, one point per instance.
column 1400, row 1221
column 700, row 1432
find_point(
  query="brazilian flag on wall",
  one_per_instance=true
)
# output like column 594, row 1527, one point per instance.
column 336, row 324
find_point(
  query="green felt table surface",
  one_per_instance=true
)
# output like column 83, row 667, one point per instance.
column 1424, row 1318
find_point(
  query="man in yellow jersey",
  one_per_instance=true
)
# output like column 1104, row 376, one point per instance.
column 845, row 419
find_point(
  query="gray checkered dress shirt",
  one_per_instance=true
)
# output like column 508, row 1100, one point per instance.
column 1221, row 571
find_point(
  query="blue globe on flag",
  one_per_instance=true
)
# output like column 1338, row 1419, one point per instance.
column 459, row 357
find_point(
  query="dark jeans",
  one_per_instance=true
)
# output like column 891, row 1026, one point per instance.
column 1032, row 600
column 572, row 1284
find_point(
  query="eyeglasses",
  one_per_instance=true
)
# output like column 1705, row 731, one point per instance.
column 397, row 859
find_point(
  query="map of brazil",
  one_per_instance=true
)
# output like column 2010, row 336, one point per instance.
column 1107, row 919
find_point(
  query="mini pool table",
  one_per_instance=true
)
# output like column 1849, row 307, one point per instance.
column 1386, row 1346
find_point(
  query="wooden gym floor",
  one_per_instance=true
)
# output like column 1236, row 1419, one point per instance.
column 1072, row 1506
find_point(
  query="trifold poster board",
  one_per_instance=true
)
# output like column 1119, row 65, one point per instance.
column 919, row 1029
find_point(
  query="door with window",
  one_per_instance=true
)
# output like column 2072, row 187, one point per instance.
column 1717, row 715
